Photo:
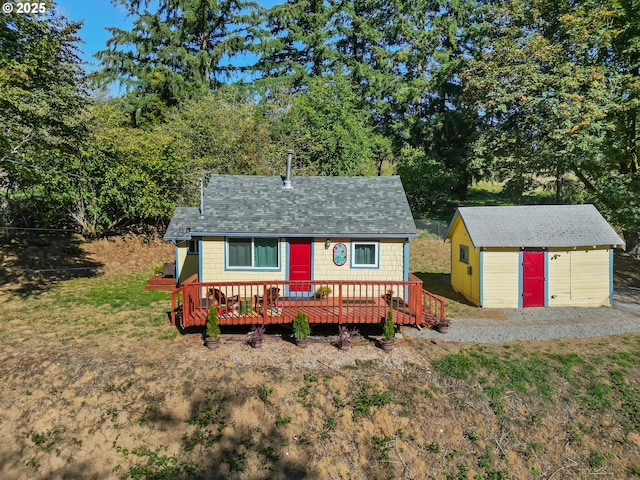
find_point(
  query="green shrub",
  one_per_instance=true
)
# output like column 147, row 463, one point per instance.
column 213, row 326
column 301, row 328
column 389, row 329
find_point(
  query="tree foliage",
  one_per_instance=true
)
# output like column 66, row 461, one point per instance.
column 294, row 43
column 557, row 95
column 225, row 133
column 328, row 130
column 176, row 50
column 41, row 93
column 534, row 94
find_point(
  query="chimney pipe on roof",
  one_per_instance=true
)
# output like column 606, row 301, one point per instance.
column 201, row 198
column 287, row 178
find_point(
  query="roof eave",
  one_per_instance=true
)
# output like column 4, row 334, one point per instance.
column 298, row 235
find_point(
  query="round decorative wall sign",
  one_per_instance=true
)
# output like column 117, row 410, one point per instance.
column 339, row 254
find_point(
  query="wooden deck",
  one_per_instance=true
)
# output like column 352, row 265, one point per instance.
column 350, row 302
column 161, row 283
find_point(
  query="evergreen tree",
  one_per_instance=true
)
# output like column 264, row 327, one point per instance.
column 294, row 44
column 177, row 49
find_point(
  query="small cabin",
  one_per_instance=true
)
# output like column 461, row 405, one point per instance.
column 533, row 256
column 318, row 228
column 266, row 247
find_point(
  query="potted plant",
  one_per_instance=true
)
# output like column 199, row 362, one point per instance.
column 442, row 325
column 301, row 330
column 256, row 336
column 346, row 336
column 388, row 331
column 323, row 291
column 212, row 332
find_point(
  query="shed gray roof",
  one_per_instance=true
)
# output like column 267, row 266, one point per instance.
column 536, row 226
column 315, row 206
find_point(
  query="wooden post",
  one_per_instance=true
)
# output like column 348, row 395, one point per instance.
column 264, row 303
column 340, row 303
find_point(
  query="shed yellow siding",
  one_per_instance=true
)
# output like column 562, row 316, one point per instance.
column 579, row 277
column 461, row 281
column 500, row 278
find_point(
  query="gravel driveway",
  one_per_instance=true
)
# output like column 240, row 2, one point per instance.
column 546, row 323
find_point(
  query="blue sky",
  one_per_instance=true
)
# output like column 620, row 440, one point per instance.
column 99, row 14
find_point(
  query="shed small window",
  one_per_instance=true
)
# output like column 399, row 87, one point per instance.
column 252, row 253
column 464, row 254
column 365, row 254
column 192, row 247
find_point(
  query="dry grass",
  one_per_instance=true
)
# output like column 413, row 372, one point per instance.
column 97, row 387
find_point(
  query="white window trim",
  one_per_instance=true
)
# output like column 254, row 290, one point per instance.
column 253, row 260
column 376, row 245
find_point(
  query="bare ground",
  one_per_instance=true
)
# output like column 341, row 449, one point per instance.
column 89, row 392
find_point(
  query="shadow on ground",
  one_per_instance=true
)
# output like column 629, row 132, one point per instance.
column 30, row 263
column 440, row 284
column 627, row 270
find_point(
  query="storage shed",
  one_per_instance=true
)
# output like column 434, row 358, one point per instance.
column 533, row 256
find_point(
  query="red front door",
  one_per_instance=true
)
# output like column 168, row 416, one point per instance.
column 299, row 263
column 533, row 279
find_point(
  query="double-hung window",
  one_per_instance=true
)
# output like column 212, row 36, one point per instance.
column 365, row 254
column 252, row 253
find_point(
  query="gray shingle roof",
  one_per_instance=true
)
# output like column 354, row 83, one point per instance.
column 536, row 226
column 315, row 206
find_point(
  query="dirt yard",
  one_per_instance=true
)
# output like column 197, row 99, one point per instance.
column 94, row 388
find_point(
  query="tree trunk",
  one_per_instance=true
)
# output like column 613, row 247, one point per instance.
column 632, row 241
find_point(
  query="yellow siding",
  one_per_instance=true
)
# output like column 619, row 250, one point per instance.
column 187, row 265
column 500, row 282
column 461, row 281
column 579, row 277
column 213, row 265
column 391, row 263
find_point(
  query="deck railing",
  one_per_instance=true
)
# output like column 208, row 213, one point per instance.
column 349, row 302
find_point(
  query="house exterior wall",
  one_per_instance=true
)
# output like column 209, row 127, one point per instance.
column 500, row 282
column 390, row 261
column 211, row 263
column 214, row 264
column 391, row 264
column 580, row 277
column 465, row 277
column 186, row 264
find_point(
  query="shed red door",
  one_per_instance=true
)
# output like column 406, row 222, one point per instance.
column 300, row 263
column 533, row 279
